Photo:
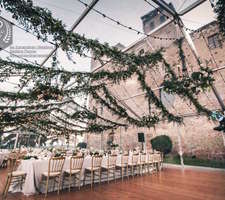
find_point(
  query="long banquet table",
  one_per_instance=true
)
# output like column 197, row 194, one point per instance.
column 35, row 168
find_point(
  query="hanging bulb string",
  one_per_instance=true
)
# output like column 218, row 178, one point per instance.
column 117, row 22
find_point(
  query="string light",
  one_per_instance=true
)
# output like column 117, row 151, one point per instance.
column 129, row 27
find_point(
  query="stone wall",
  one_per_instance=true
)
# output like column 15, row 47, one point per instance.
column 197, row 134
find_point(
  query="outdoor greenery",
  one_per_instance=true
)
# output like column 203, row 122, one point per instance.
column 82, row 145
column 162, row 143
column 220, row 11
column 194, row 161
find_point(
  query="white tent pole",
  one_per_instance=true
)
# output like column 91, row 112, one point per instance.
column 75, row 140
column 101, row 141
column 39, row 141
column 180, row 148
column 120, row 139
column 16, row 141
column 223, row 135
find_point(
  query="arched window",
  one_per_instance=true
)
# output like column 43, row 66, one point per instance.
column 167, row 99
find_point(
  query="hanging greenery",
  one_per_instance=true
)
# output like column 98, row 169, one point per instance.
column 43, row 104
column 188, row 86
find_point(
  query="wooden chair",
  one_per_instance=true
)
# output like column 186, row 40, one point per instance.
column 76, row 163
column 142, row 163
column 94, row 170
column 157, row 161
column 123, row 165
column 110, row 168
column 55, row 166
column 150, row 161
column 134, row 164
column 13, row 176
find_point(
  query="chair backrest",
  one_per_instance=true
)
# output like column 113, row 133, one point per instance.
column 11, row 165
column 13, row 161
column 112, row 160
column 143, row 158
column 135, row 158
column 157, row 157
column 124, row 159
column 76, row 162
column 56, row 164
column 96, row 161
column 150, row 158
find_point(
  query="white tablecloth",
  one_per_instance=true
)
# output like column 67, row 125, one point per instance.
column 35, row 168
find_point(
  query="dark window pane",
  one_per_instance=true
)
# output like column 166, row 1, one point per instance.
column 213, row 41
column 152, row 25
column 162, row 19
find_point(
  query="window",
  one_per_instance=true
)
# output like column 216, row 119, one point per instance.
column 167, row 99
column 152, row 25
column 214, row 41
column 162, row 19
column 141, row 52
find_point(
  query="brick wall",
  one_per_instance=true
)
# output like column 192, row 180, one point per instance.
column 197, row 134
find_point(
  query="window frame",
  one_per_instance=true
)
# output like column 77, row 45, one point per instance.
column 214, row 41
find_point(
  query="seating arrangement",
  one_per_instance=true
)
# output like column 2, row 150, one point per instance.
column 134, row 165
column 69, row 172
column 54, row 172
column 13, row 176
column 94, row 170
column 157, row 161
column 76, row 163
column 150, row 162
column 110, row 167
column 142, row 163
column 123, row 165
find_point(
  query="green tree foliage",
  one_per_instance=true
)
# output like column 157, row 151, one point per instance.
column 82, row 145
column 220, row 11
column 162, row 143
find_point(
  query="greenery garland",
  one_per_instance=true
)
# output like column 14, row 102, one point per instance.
column 52, row 97
column 188, row 86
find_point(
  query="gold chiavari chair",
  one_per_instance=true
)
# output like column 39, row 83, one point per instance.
column 110, row 168
column 142, row 163
column 76, row 163
column 13, row 176
column 123, row 165
column 161, row 160
column 94, row 170
column 55, row 166
column 157, row 161
column 150, row 161
column 134, row 164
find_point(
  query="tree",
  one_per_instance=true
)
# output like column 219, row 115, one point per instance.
column 162, row 143
column 220, row 11
column 82, row 145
